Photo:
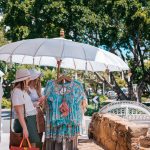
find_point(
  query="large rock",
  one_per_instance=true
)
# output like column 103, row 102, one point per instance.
column 138, row 130
column 116, row 133
column 145, row 141
column 109, row 144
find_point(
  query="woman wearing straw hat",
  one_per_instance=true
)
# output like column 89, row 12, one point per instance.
column 23, row 106
column 37, row 99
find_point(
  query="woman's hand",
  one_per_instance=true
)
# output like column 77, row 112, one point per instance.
column 25, row 133
column 41, row 99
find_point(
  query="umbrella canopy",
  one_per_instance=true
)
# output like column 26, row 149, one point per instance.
column 116, row 60
column 56, row 47
column 74, row 55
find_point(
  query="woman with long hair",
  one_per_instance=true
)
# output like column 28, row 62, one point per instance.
column 37, row 99
column 24, row 111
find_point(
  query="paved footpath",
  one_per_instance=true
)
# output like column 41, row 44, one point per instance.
column 4, row 144
column 86, row 144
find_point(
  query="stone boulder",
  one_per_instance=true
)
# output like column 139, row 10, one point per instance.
column 145, row 141
column 116, row 133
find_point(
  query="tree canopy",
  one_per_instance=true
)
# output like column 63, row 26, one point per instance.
column 119, row 26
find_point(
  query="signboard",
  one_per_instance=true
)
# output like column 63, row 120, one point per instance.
column 96, row 99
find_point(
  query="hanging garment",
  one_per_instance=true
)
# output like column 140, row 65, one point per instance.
column 58, row 127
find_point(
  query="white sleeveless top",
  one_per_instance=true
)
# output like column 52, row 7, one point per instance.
column 33, row 94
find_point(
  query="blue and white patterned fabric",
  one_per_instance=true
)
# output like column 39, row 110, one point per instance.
column 58, row 126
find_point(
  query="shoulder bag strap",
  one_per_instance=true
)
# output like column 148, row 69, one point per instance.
column 11, row 113
column 24, row 108
column 11, row 117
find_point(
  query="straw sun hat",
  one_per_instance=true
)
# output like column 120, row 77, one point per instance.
column 21, row 75
column 34, row 74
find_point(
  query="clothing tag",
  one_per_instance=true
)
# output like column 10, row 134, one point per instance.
column 63, row 90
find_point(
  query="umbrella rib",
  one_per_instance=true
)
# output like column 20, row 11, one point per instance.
column 40, row 60
column 85, row 57
column 39, row 48
column 74, row 64
column 84, row 52
column 6, row 45
column 23, row 59
column 15, row 49
column 91, row 66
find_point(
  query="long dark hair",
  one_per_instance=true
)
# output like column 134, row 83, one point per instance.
column 20, row 84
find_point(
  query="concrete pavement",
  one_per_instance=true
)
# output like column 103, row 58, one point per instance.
column 84, row 143
column 4, row 145
column 5, row 116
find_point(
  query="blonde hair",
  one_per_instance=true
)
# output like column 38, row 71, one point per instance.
column 37, row 86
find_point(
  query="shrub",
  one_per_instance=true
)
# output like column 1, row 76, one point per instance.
column 103, row 99
column 6, row 103
column 90, row 110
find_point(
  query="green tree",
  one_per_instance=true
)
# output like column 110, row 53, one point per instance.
column 126, row 26
column 3, row 40
column 120, row 26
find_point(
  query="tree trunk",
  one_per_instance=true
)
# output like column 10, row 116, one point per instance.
column 131, row 95
column 117, row 89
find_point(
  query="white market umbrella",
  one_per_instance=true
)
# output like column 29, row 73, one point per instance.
column 74, row 55
column 56, row 47
column 77, row 64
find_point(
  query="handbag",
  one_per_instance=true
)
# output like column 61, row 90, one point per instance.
column 24, row 148
column 40, row 120
column 15, row 138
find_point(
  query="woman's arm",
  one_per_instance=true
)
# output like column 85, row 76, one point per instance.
column 18, row 109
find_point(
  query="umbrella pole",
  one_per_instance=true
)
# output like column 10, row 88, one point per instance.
column 62, row 35
column 58, row 68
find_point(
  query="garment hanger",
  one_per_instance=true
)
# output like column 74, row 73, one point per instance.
column 63, row 79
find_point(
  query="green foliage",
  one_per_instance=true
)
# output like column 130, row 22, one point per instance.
column 145, row 99
column 120, row 26
column 3, row 40
column 6, row 103
column 121, row 82
column 103, row 98
column 48, row 74
column 147, row 64
column 90, row 110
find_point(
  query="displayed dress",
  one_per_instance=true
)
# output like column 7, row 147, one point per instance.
column 62, row 131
